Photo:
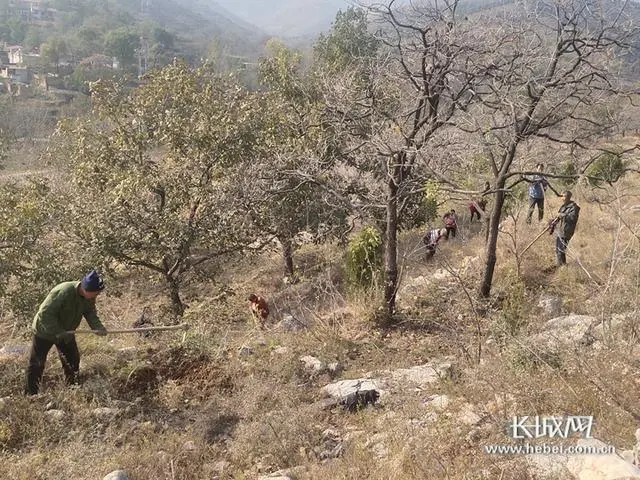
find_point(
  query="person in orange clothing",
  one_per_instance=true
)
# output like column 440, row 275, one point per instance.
column 259, row 308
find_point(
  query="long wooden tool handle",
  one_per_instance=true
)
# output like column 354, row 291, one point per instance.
column 534, row 241
column 182, row 326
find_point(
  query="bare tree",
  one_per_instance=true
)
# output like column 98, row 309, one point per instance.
column 552, row 77
column 421, row 79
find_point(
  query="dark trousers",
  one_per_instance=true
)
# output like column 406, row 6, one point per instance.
column 532, row 205
column 450, row 231
column 561, row 249
column 474, row 212
column 69, row 356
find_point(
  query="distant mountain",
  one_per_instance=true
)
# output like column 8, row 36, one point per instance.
column 201, row 21
column 287, row 18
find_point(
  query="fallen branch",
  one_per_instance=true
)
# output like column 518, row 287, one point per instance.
column 182, row 326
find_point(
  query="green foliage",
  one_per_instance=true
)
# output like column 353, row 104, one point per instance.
column 513, row 315
column 281, row 71
column 122, row 44
column 364, row 258
column 32, row 253
column 349, row 41
column 608, row 167
column 293, row 184
column 54, row 50
column 421, row 209
column 480, row 164
column 13, row 30
column 4, row 148
column 160, row 162
column 568, row 168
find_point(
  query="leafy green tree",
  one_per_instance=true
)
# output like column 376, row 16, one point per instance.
column 295, row 185
column 54, row 50
column 150, row 166
column 348, row 40
column 122, row 43
column 33, row 37
column 13, row 30
column 608, row 167
column 33, row 255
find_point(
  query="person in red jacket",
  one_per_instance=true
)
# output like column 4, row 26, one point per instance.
column 480, row 203
column 259, row 308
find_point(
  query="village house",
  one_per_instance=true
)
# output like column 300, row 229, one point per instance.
column 16, row 73
column 17, row 56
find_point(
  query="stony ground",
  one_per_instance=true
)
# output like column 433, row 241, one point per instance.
column 328, row 392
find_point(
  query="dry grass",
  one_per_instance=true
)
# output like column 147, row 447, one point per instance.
column 206, row 408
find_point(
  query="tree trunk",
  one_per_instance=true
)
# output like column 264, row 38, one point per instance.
column 391, row 248
column 287, row 252
column 174, row 293
column 492, row 241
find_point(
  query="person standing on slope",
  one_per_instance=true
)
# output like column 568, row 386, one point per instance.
column 61, row 312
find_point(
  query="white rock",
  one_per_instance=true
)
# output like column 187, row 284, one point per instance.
column 281, row 350
column 600, row 466
column 550, row 305
column 570, row 330
column 56, row 415
column 276, row 477
column 628, row 456
column 343, row 388
column 548, row 466
column 437, row 402
column 117, row 475
column 189, row 446
column 314, row 364
column 469, row 416
column 291, row 324
column 104, row 413
column 424, row 375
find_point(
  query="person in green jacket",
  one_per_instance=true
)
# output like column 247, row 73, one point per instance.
column 62, row 312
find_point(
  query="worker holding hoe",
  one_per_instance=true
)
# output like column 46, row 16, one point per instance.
column 58, row 317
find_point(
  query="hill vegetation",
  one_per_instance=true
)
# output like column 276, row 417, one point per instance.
column 189, row 191
column 74, row 32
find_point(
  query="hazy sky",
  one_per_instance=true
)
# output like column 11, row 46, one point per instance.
column 287, row 17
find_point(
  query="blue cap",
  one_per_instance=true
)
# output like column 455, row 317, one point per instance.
column 92, row 282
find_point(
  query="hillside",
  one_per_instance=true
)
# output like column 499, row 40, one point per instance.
column 83, row 26
column 382, row 355
column 229, row 401
column 201, row 21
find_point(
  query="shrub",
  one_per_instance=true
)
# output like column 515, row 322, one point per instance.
column 608, row 167
column 420, row 209
column 568, row 168
column 364, row 258
column 513, row 316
